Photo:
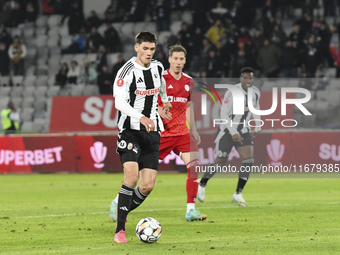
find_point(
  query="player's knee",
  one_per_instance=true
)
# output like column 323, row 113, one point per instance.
column 146, row 188
column 131, row 178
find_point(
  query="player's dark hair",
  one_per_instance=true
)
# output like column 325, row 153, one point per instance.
column 177, row 48
column 247, row 70
column 145, row 36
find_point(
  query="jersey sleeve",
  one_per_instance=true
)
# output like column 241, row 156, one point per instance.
column 192, row 87
column 122, row 82
column 256, row 117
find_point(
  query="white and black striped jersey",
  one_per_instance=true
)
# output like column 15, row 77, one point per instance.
column 139, row 86
column 239, row 122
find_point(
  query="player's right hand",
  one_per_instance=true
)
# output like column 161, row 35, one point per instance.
column 163, row 114
column 147, row 123
column 237, row 138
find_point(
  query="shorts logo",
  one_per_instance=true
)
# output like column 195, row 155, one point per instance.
column 129, row 147
column 226, row 100
column 122, row 144
column 135, row 149
column 187, row 87
column 120, row 82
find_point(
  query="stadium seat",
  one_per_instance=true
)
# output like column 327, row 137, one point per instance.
column 27, row 102
column 39, row 114
column 91, row 90
column 40, row 41
column 30, row 80
column 52, row 41
column 40, row 92
column 91, row 57
column 164, row 36
column 28, row 33
column 67, row 58
column 187, row 17
column 41, row 21
column 334, row 98
column 322, row 95
column 40, row 104
column 63, row 31
column 175, row 27
column 65, row 91
column 80, row 57
column 40, row 31
column 3, row 101
column 112, row 58
column 55, row 50
column 17, row 91
column 151, row 26
column 30, row 70
column 28, row 91
column 5, row 92
column 54, row 20
column 38, row 124
column 17, row 101
column 17, row 80
column 27, row 114
column 330, row 72
column 139, row 26
column 333, row 84
column 128, row 28
column 53, row 32
column 293, row 82
column 42, row 80
column 53, row 91
column 77, row 90
column 51, row 80
column 65, row 41
column 4, row 81
column 27, row 126
column 175, row 16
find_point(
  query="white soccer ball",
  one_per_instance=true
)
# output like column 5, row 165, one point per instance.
column 148, row 230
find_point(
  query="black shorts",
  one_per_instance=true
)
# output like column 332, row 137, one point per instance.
column 224, row 142
column 139, row 146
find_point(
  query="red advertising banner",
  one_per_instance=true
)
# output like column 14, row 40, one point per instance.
column 87, row 153
column 83, row 113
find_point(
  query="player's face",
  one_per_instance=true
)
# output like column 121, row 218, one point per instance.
column 145, row 52
column 177, row 62
column 247, row 80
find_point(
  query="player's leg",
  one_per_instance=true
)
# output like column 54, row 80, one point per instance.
column 193, row 165
column 148, row 162
column 125, row 198
column 223, row 146
column 246, row 153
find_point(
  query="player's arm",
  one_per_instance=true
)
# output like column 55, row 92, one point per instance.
column 257, row 118
column 190, row 116
column 164, row 97
column 121, row 88
column 226, row 111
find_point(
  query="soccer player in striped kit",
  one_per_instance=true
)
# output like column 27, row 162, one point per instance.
column 136, row 88
column 238, row 135
column 176, row 137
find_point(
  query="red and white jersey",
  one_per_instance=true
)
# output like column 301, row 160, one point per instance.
column 178, row 92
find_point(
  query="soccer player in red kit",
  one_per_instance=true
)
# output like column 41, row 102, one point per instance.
column 176, row 136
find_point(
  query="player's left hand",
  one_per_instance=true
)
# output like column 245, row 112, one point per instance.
column 196, row 136
column 163, row 115
column 167, row 107
column 256, row 133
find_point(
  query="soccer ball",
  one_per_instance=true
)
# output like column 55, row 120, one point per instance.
column 148, row 230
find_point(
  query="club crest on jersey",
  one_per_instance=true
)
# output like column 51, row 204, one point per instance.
column 148, row 92
column 186, row 87
column 170, row 98
column 120, row 82
column 122, row 144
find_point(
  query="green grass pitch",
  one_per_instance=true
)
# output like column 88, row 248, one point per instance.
column 68, row 214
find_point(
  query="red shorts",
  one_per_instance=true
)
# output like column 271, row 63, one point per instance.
column 177, row 144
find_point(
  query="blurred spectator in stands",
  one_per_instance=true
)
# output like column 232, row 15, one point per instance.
column 215, row 32
column 269, row 59
column 334, row 40
column 312, row 56
column 284, row 7
column 184, row 40
column 76, row 18
column 5, row 42
column 17, row 53
column 290, row 60
column 94, row 41
column 92, row 21
column 268, row 16
column 278, row 36
column 196, row 42
column 78, row 45
column 101, row 58
column 73, row 73
column 336, row 57
column 17, row 15
column 111, row 39
column 328, row 8
column 319, row 81
column 161, row 15
column 296, row 37
column 207, row 46
column 118, row 65
column 257, row 43
column 218, row 12
column 104, row 81
column 305, row 23
column 240, row 60
column 224, row 57
column 47, row 6
column 135, row 13
column 161, row 57
column 31, row 13
column 10, row 119
column 240, row 14
column 88, row 73
column 61, row 6
column 61, row 76
column 213, row 65
column 5, row 16
column 114, row 12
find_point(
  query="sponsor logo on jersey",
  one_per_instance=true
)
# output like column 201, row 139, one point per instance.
column 120, row 82
column 129, row 147
column 148, row 92
column 180, row 99
column 186, row 87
